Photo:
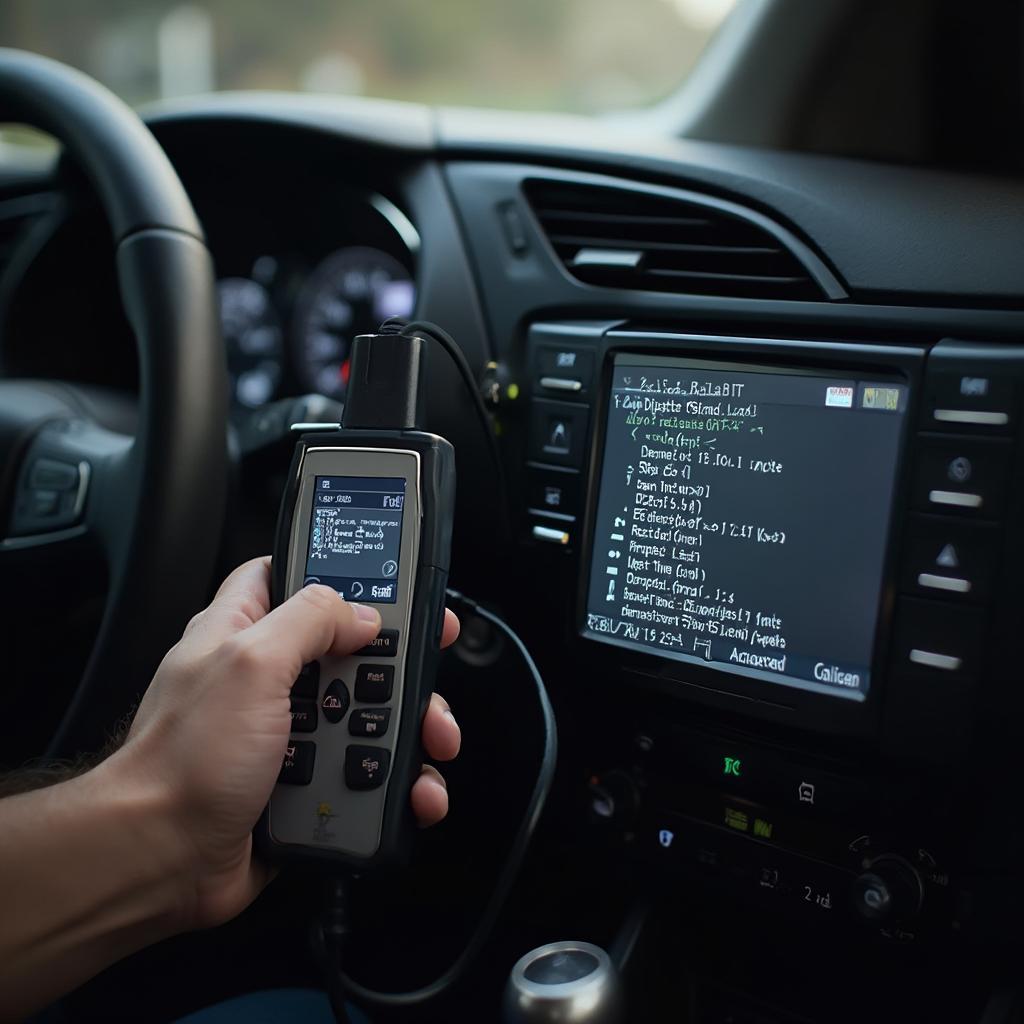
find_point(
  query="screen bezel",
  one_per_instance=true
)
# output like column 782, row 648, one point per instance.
column 714, row 686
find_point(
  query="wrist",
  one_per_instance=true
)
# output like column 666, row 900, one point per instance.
column 90, row 871
column 158, row 889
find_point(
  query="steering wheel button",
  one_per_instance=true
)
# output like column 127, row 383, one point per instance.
column 51, row 475
column 43, row 503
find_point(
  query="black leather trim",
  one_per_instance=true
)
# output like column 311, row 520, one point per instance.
column 136, row 183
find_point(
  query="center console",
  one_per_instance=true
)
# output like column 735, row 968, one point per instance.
column 792, row 593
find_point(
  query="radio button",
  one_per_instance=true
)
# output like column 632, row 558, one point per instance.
column 553, row 491
column 935, row 638
column 550, row 535
column 966, row 477
column 558, row 433
column 979, row 400
column 951, row 559
column 564, row 385
column 725, row 766
column 945, row 662
column 810, row 791
column 564, row 363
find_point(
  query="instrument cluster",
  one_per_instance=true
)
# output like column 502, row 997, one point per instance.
column 289, row 316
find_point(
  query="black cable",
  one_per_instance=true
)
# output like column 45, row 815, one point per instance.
column 340, row 984
column 448, row 343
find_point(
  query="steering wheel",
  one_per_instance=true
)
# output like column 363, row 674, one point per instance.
column 152, row 504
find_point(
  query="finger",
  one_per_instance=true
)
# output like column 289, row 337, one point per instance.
column 254, row 573
column 312, row 622
column 442, row 736
column 450, row 633
column 242, row 599
column 429, row 797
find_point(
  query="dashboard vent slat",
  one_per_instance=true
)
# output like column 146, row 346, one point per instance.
column 647, row 240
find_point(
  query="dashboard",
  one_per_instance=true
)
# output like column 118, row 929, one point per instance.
column 295, row 285
column 757, row 514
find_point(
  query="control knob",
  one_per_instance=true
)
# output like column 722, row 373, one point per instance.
column 613, row 798
column 888, row 892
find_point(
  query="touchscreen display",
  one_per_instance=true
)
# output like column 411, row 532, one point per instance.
column 743, row 516
column 355, row 536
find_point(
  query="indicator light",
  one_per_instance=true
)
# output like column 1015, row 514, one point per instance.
column 736, row 819
column 732, row 766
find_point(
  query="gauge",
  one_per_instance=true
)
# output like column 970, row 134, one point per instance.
column 253, row 338
column 349, row 293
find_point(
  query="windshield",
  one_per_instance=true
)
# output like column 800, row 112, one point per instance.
column 582, row 56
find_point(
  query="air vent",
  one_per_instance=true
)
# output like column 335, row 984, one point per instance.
column 621, row 238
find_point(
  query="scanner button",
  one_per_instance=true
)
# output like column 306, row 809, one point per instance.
column 369, row 721
column 303, row 715
column 366, row 767
column 374, row 683
column 308, row 682
column 297, row 767
column 383, row 645
column 336, row 701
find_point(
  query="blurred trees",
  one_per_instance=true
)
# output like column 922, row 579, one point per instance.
column 578, row 55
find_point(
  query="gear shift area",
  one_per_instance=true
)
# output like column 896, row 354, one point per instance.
column 564, row 982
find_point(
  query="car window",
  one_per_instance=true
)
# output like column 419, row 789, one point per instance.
column 583, row 56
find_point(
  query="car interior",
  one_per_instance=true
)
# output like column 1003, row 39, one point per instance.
column 740, row 505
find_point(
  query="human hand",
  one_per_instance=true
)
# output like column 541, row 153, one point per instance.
column 211, row 732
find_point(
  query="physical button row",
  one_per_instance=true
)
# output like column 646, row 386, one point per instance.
column 779, row 876
column 374, row 685
column 756, row 773
column 363, row 722
column 365, row 767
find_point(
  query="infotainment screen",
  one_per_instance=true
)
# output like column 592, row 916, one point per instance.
column 742, row 518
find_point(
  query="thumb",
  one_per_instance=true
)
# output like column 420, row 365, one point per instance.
column 312, row 622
